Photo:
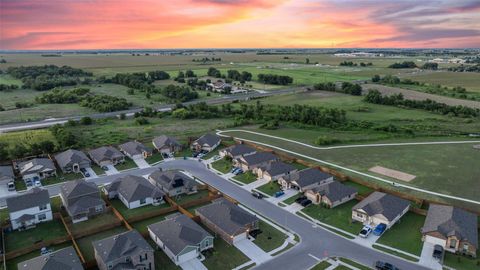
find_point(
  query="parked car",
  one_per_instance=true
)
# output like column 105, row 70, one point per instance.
column 233, row 169
column 238, row 171
column 11, row 186
column 278, row 194
column 216, row 157
column 105, row 168
column 300, row 199
column 306, row 202
column 380, row 229
column 37, row 183
column 200, row 155
column 365, row 232
column 385, row 266
column 204, row 152
column 438, row 252
column 257, row 195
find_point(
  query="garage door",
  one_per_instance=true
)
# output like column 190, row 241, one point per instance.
column 240, row 237
column 435, row 241
column 187, row 256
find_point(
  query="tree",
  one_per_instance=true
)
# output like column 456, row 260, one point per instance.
column 46, row 147
column 213, row 72
column 86, row 120
column 307, row 61
column 189, row 74
column 17, row 151
column 3, row 151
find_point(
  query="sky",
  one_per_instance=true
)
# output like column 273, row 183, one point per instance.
column 152, row 24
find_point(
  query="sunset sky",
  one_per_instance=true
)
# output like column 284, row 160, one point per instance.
column 120, row 24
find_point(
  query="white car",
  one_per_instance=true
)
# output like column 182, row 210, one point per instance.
column 37, row 183
column 365, row 232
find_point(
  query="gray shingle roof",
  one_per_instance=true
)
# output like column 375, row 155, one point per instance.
column 63, row 259
column 122, row 245
column 134, row 188
column 208, row 139
column 134, row 148
column 452, row 221
column 335, row 190
column 32, row 198
column 36, row 165
column 105, row 153
column 70, row 157
column 239, row 150
column 226, row 215
column 164, row 140
column 381, row 203
column 259, row 158
column 278, row 167
column 6, row 173
column 178, row 232
column 307, row 177
column 172, row 179
column 76, row 188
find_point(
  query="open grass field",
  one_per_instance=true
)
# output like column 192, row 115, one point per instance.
column 27, row 137
column 222, row 165
column 93, row 222
column 469, row 80
column 132, row 213
column 270, row 238
column 43, row 232
column 184, row 198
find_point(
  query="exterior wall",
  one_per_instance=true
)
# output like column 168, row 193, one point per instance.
column 39, row 176
column 359, row 215
column 437, row 238
column 314, row 197
column 31, row 211
column 285, row 184
column 218, row 231
column 168, row 252
column 343, row 200
column 376, row 219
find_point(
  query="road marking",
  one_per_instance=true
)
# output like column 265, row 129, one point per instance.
column 315, row 257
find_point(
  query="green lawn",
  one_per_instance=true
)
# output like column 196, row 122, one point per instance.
column 224, row 256
column 141, row 226
column 3, row 215
column 406, row 234
column 293, row 198
column 128, row 164
column 339, row 217
column 354, row 264
column 186, row 152
column 342, row 267
column 395, row 253
column 270, row 238
column 20, row 185
column 156, row 157
column 93, row 222
column 362, row 190
column 269, row 188
column 460, row 262
column 56, row 203
column 222, row 165
column 298, row 166
column 212, row 153
column 162, row 261
column 43, row 232
column 61, row 177
column 86, row 243
column 130, row 213
column 321, row 266
column 246, row 177
column 188, row 198
column 97, row 169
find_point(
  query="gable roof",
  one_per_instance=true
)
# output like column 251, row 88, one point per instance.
column 278, row 167
column 62, row 259
column 122, row 245
column 452, row 221
column 239, row 150
column 172, row 179
column 76, row 188
column 6, row 173
column 258, row 158
column 335, row 190
column 307, row 177
column 381, row 203
column 164, row 140
column 105, row 153
column 32, row 198
column 134, row 188
column 36, row 165
column 208, row 139
column 134, row 148
column 70, row 157
column 179, row 231
column 226, row 215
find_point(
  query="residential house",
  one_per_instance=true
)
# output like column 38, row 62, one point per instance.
column 379, row 208
column 62, row 259
column 81, row 199
column 180, row 238
column 331, row 194
column 135, row 150
column 128, row 250
column 455, row 229
column 6, row 175
column 72, row 161
column 166, row 144
column 228, row 220
column 251, row 162
column 305, row 179
column 220, row 86
column 236, row 151
column 134, row 191
column 29, row 208
column 274, row 170
column 173, row 182
column 207, row 142
column 106, row 155
column 37, row 169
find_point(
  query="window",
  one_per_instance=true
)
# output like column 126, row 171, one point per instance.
column 143, row 201
column 453, row 243
column 42, row 217
column 465, row 247
column 99, row 208
column 43, row 207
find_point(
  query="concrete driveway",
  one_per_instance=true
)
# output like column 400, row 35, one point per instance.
column 92, row 173
column 111, row 170
column 141, row 163
column 426, row 257
column 288, row 193
column 193, row 264
column 252, row 251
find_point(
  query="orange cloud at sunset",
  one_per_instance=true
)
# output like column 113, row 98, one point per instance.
column 102, row 24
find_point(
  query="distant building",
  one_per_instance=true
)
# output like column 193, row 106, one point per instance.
column 305, row 179
column 207, row 142
column 62, row 259
column 274, row 170
column 237, row 151
column 166, row 144
column 331, row 194
column 135, row 150
column 254, row 161
column 72, row 161
column 29, row 208
column 106, row 155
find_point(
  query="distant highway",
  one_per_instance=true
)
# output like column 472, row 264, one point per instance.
column 167, row 107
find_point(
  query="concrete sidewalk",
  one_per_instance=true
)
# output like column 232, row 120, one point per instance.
column 252, row 251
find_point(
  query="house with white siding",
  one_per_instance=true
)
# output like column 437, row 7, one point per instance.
column 30, row 208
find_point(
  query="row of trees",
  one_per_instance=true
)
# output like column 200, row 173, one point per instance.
column 206, row 59
column 6, row 87
column 346, row 88
column 434, row 89
column 179, row 93
column 275, row 79
column 404, row 64
column 352, row 64
column 58, row 96
column 375, row 97
column 242, row 77
column 463, row 68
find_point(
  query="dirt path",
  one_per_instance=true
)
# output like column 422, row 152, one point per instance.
column 416, row 95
